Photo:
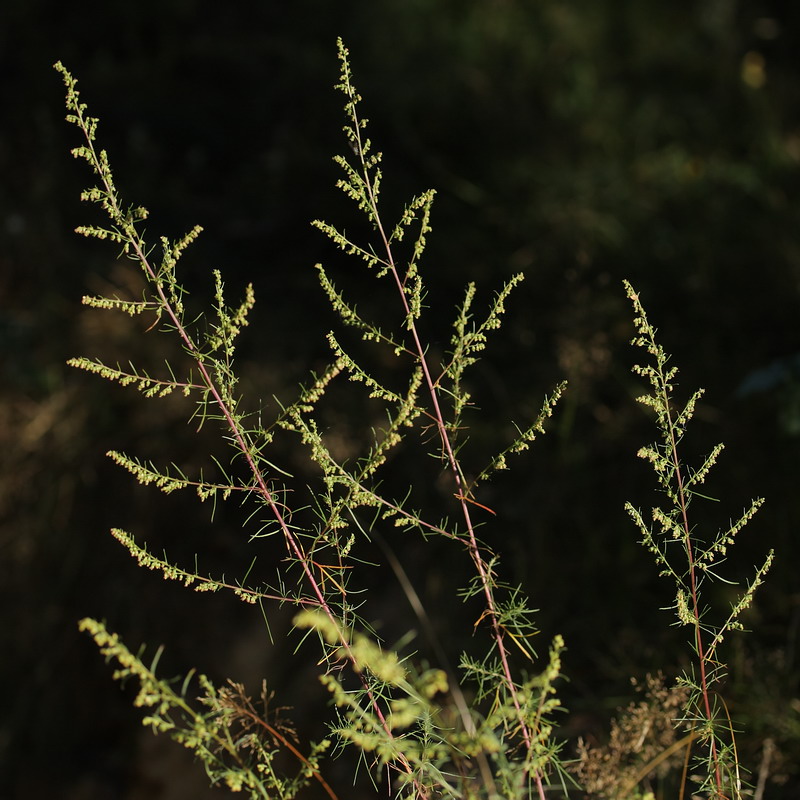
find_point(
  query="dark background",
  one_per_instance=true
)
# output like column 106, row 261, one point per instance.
column 578, row 142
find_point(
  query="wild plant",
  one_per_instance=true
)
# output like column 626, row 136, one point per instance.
column 423, row 731
column 643, row 741
column 692, row 560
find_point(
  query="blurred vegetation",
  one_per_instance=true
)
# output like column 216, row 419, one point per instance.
column 581, row 142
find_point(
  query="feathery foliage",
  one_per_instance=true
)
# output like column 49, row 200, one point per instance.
column 412, row 724
column 692, row 561
column 424, row 731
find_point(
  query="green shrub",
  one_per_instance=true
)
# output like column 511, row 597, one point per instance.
column 488, row 729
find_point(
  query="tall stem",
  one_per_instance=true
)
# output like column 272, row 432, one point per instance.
column 473, row 547
column 133, row 239
column 693, row 588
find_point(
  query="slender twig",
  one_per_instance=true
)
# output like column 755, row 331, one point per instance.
column 276, row 734
column 701, row 653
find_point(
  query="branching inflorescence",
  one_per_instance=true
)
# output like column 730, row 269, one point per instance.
column 424, row 731
column 692, row 562
column 397, row 714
